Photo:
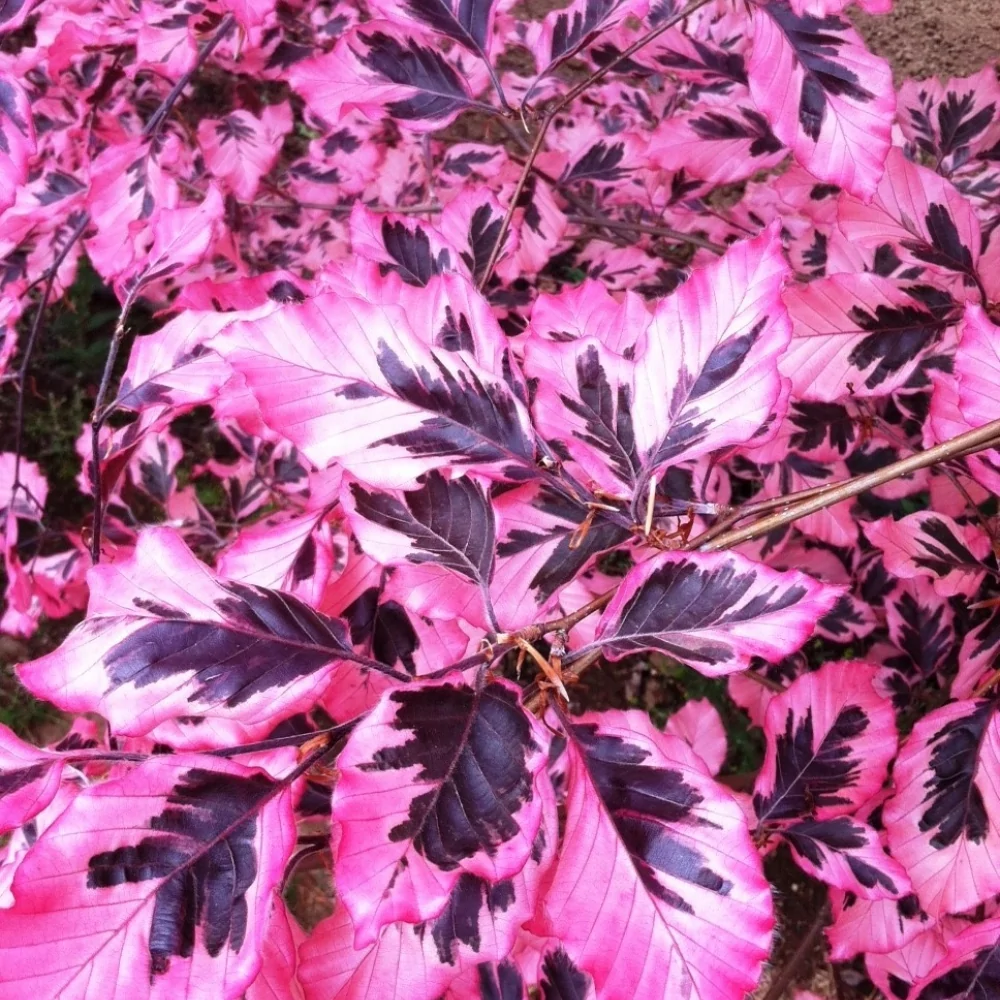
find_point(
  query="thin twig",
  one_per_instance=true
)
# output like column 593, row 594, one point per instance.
column 536, row 148
column 99, row 415
column 640, row 227
column 29, row 347
column 159, row 116
column 790, row 509
column 149, row 131
column 975, row 440
column 560, row 105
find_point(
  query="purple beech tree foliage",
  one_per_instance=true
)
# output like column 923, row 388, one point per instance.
column 526, row 341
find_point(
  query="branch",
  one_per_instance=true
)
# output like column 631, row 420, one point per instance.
column 640, row 227
column 536, row 148
column 99, row 415
column 150, row 130
column 152, row 127
column 964, row 444
column 29, row 347
column 790, row 509
column 560, row 105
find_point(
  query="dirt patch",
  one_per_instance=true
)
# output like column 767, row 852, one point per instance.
column 923, row 38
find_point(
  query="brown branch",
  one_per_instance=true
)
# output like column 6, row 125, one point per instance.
column 36, row 324
column 97, row 418
column 159, row 116
column 975, row 440
column 536, row 148
column 640, row 227
column 560, row 105
column 100, row 413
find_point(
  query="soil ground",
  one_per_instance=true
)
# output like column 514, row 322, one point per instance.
column 942, row 38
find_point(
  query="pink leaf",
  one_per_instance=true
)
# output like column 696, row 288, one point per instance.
column 977, row 366
column 578, row 312
column 17, row 139
column 970, row 969
column 873, row 925
column 471, row 222
column 403, row 244
column 976, row 656
column 477, row 923
column 29, row 780
column 903, row 968
column 922, row 624
column 950, row 122
column 24, row 838
column 858, row 334
column 926, row 544
column 369, row 598
column 830, row 738
column 565, row 32
column 943, row 823
column 290, row 552
column 945, row 420
column 155, row 884
column 375, row 69
column 28, row 501
column 713, row 611
column 440, row 780
column 278, row 976
column 827, row 98
column 699, row 725
column 468, row 22
column 658, row 890
column 173, row 368
column 920, row 212
column 129, row 185
column 240, row 148
column 446, row 527
column 847, row 854
column 350, row 381
column 703, row 375
column 13, row 14
column 164, row 639
column 718, row 144
column 543, row 543
column 181, row 237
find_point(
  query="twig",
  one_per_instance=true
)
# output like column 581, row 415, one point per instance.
column 156, row 120
column 791, row 967
column 809, row 502
column 640, row 227
column 149, row 131
column 974, row 440
column 756, row 507
column 548, row 116
column 29, row 347
column 536, row 147
column 100, row 414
